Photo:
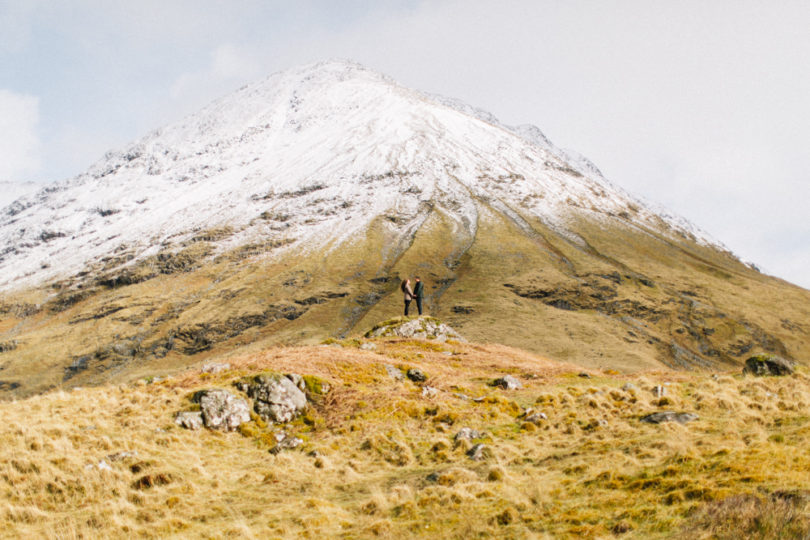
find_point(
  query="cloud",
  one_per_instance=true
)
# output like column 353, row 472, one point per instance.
column 19, row 140
column 228, row 66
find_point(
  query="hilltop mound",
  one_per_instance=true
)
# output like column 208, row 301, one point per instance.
column 420, row 328
column 568, row 454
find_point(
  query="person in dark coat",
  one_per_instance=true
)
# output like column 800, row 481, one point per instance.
column 419, row 293
column 407, row 292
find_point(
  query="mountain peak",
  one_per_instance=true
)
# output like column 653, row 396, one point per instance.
column 368, row 146
column 290, row 211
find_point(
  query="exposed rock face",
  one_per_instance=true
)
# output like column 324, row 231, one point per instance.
column 298, row 381
column 222, row 410
column 277, row 398
column 768, row 364
column 416, row 375
column 669, row 416
column 419, row 328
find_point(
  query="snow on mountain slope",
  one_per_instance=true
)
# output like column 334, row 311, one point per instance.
column 318, row 152
column 11, row 191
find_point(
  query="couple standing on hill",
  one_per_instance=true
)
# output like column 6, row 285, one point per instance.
column 418, row 293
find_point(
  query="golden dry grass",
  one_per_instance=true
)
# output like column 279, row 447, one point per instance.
column 379, row 459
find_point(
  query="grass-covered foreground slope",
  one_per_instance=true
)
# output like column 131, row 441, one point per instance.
column 610, row 295
column 379, row 456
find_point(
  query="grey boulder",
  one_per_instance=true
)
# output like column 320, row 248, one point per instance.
column 276, row 398
column 222, row 410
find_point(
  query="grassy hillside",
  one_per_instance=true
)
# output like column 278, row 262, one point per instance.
column 379, row 456
column 611, row 295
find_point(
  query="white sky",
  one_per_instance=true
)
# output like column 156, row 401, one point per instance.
column 702, row 106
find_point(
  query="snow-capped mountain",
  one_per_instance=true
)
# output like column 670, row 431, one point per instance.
column 322, row 151
column 289, row 212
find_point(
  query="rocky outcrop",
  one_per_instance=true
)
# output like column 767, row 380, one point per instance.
column 222, row 410
column 276, row 398
column 768, row 364
column 418, row 328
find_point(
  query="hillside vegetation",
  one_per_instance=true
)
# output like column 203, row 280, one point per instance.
column 612, row 297
column 566, row 455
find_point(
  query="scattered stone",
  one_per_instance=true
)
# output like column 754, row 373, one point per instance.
column 535, row 418
column 298, row 381
column 433, row 477
column 669, row 416
column 585, row 375
column 276, row 398
column 213, row 367
column 368, row 346
column 463, row 397
column 429, row 391
column 285, row 441
column 447, row 353
column 118, row 456
column 101, row 465
column 222, row 410
column 467, row 434
column 479, row 452
column 629, row 387
column 416, row 375
column 508, row 382
column 189, row 419
column 479, row 400
column 659, row 391
column 769, row 364
column 394, row 373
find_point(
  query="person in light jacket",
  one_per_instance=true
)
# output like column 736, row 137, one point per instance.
column 406, row 290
